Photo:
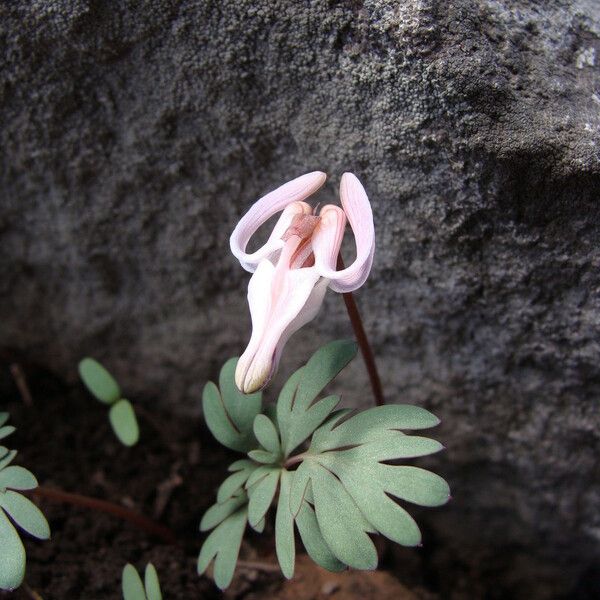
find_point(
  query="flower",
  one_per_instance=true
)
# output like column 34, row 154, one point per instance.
column 296, row 265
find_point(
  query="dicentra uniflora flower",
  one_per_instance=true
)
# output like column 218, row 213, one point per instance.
column 296, row 265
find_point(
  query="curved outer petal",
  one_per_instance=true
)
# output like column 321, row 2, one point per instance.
column 358, row 210
column 274, row 319
column 262, row 210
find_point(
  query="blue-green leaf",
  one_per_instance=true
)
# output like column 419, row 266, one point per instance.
column 229, row 413
column 370, row 424
column 217, row 513
column 313, row 541
column 99, row 381
column 6, row 431
column 17, row 478
column 264, row 457
column 297, row 413
column 151, row 583
column 235, row 482
column 284, row 528
column 25, row 514
column 12, row 557
column 322, row 368
column 4, row 416
column 6, row 457
column 343, row 526
column 133, row 588
column 261, row 496
column 124, row 422
column 223, row 545
column 266, row 434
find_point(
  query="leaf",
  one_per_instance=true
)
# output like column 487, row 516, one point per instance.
column 99, row 381
column 260, row 526
column 6, row 456
column 6, row 431
column 4, row 416
column 300, row 481
column 259, row 473
column 322, row 368
column 266, row 434
column 261, row 496
column 229, row 413
column 25, row 514
column 343, row 527
column 17, row 478
column 313, row 541
column 264, row 457
column 151, row 583
column 224, row 544
column 284, row 528
column 217, row 513
column 304, row 423
column 344, row 466
column 12, row 557
column 133, row 588
column 124, row 422
column 370, row 423
column 297, row 414
column 235, row 482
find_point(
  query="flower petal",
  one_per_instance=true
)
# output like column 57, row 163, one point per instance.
column 358, row 210
column 328, row 236
column 259, row 300
column 295, row 303
column 262, row 210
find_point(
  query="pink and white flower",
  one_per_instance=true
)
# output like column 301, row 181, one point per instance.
column 296, row 265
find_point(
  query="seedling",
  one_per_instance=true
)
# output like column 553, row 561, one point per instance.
column 327, row 470
column 105, row 388
column 16, row 509
column 135, row 589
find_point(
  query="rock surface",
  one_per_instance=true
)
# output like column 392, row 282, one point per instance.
column 133, row 137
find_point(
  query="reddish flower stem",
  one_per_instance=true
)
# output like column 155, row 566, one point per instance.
column 95, row 504
column 363, row 341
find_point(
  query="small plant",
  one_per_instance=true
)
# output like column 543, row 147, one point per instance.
column 104, row 387
column 338, row 486
column 16, row 508
column 135, row 589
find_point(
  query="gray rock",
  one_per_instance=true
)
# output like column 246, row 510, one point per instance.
column 134, row 136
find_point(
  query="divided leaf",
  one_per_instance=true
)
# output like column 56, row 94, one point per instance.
column 344, row 469
column 99, row 381
column 229, row 413
column 344, row 489
column 298, row 415
column 217, row 513
column 223, row 545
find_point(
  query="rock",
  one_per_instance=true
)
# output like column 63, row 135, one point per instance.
column 133, row 138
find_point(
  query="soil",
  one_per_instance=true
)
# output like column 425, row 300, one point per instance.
column 170, row 476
